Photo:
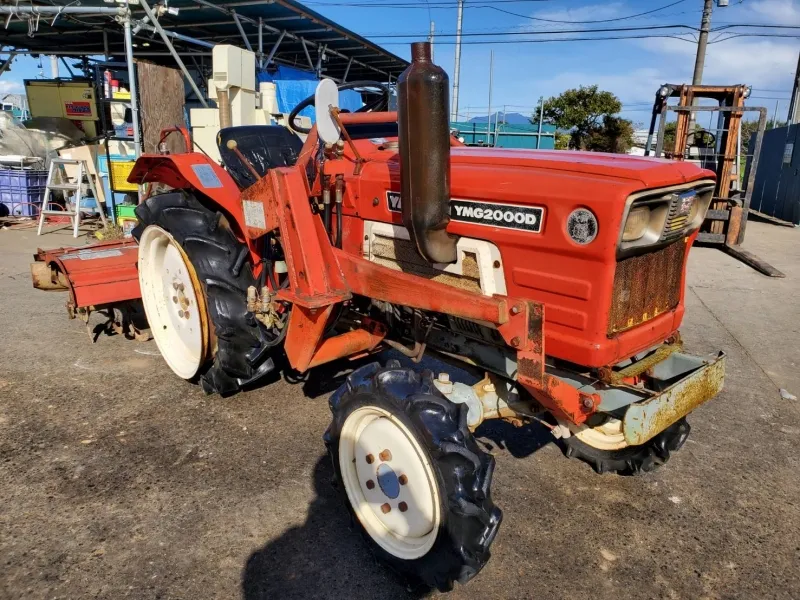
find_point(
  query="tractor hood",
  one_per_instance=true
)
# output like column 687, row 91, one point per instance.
column 645, row 171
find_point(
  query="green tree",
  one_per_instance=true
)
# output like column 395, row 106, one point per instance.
column 615, row 134
column 587, row 114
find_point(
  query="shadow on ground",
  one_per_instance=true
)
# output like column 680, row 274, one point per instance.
column 520, row 442
column 323, row 558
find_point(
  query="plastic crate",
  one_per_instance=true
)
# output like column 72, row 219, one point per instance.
column 120, row 172
column 102, row 161
column 21, row 191
column 126, row 211
column 119, row 198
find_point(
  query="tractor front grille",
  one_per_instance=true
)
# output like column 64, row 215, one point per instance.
column 646, row 286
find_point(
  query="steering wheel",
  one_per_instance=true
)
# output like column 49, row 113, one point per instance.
column 382, row 103
column 702, row 138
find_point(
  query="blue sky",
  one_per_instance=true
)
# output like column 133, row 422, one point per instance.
column 632, row 69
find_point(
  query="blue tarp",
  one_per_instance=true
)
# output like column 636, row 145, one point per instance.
column 293, row 85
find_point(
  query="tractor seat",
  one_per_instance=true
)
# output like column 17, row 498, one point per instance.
column 264, row 146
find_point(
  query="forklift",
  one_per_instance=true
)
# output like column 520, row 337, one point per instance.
column 718, row 149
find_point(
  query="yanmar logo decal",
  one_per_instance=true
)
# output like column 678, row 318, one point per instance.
column 507, row 216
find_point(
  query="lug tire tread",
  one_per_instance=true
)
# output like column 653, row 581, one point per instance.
column 633, row 460
column 209, row 243
column 469, row 519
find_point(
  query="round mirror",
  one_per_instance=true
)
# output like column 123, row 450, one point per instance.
column 326, row 96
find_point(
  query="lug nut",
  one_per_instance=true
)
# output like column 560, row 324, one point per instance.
column 385, row 508
column 515, row 341
column 588, row 402
column 515, row 310
column 402, row 479
column 370, row 459
column 385, row 456
column 174, row 285
column 403, row 507
column 180, row 314
column 370, row 484
column 175, row 299
column 180, row 287
column 186, row 314
column 444, row 377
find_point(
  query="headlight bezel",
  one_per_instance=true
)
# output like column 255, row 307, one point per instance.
column 659, row 203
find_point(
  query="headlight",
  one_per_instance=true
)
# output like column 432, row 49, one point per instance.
column 636, row 224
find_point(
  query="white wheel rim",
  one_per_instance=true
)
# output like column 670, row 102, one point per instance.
column 607, row 436
column 173, row 301
column 400, row 480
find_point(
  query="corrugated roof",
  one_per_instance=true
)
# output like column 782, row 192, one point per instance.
column 343, row 51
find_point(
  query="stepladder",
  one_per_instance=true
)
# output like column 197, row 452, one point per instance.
column 67, row 175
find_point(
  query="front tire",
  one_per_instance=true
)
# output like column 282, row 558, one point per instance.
column 413, row 477
column 604, row 447
column 227, row 349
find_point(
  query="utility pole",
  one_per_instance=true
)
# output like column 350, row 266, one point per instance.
column 456, row 74
column 430, row 38
column 702, row 44
column 489, row 119
column 541, row 119
column 794, row 105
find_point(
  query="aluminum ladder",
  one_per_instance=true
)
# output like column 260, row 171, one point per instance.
column 59, row 180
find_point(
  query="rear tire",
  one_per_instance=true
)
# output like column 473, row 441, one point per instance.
column 624, row 459
column 413, row 477
column 240, row 348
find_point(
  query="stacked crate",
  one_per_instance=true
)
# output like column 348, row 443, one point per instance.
column 21, row 192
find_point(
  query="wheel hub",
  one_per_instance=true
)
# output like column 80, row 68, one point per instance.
column 389, row 482
column 173, row 301
column 606, row 436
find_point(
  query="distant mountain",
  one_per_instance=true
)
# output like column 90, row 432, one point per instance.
column 510, row 118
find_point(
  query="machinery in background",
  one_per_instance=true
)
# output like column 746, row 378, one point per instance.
column 719, row 149
column 240, row 101
column 72, row 99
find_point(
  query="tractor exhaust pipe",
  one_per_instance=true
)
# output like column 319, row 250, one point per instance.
column 424, row 131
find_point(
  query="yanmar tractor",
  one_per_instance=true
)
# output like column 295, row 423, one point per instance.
column 558, row 276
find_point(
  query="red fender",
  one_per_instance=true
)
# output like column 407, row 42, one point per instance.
column 193, row 170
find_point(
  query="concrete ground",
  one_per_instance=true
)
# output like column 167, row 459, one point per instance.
column 119, row 480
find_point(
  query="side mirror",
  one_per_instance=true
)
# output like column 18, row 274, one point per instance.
column 326, row 97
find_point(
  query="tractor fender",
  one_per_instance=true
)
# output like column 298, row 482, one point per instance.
column 197, row 172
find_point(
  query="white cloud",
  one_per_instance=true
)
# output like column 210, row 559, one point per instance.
column 762, row 63
column 592, row 12
column 10, row 87
column 550, row 18
column 785, row 12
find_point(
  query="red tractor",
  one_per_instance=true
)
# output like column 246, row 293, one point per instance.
column 559, row 277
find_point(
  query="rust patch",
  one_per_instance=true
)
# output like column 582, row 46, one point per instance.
column 612, row 377
column 646, row 286
column 646, row 419
column 536, row 326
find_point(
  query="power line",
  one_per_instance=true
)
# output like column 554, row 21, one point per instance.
column 434, row 4
column 589, row 21
column 482, row 33
column 550, row 32
column 544, row 41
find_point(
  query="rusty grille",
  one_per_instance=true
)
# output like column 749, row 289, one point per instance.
column 646, row 286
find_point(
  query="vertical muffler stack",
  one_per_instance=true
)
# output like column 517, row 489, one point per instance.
column 424, row 131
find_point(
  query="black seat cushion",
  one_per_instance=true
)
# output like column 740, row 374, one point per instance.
column 264, row 146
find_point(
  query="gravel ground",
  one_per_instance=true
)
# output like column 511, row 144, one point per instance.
column 118, row 480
